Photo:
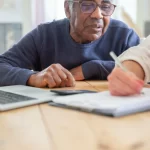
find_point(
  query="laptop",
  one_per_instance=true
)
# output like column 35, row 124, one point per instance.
column 16, row 96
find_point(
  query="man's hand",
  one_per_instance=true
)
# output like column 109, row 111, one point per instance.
column 124, row 83
column 77, row 73
column 53, row 76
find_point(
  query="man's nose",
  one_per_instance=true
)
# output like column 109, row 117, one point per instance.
column 97, row 14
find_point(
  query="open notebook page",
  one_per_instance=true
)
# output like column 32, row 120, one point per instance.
column 104, row 102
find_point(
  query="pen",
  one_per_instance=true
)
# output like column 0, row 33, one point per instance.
column 115, row 58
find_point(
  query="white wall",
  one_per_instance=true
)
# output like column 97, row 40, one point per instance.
column 130, row 6
column 10, row 15
column 26, row 15
column 54, row 9
column 21, row 13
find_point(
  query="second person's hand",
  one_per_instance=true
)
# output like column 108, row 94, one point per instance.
column 124, row 83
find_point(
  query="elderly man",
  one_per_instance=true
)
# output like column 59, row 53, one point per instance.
column 137, row 62
column 57, row 54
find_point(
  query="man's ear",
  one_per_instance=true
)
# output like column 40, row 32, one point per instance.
column 67, row 9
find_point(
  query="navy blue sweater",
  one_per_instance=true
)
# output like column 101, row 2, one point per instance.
column 51, row 43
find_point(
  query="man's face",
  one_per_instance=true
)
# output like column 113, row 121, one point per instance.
column 87, row 27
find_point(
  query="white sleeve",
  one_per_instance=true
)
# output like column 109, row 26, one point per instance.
column 140, row 54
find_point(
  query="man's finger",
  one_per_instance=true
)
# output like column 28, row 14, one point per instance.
column 65, row 75
column 70, row 81
column 49, row 80
column 56, row 77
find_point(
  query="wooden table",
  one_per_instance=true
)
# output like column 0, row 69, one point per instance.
column 42, row 127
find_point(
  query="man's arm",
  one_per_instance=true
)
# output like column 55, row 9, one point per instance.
column 96, row 69
column 17, row 63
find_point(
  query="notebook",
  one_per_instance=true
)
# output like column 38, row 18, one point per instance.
column 17, row 96
column 104, row 103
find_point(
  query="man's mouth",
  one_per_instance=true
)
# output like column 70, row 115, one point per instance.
column 96, row 27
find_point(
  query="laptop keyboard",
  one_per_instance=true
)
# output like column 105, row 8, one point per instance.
column 8, row 97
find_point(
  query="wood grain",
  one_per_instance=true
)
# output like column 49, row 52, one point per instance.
column 23, row 129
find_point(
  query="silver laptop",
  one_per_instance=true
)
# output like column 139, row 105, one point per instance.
column 17, row 96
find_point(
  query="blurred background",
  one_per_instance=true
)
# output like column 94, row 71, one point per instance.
column 18, row 17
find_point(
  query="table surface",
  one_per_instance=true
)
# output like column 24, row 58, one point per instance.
column 44, row 127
